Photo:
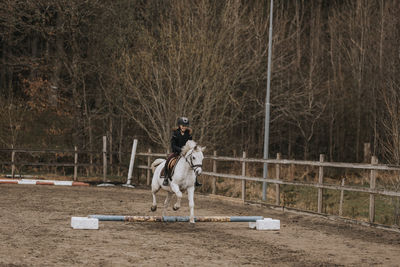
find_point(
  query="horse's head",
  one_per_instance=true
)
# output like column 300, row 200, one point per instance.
column 194, row 156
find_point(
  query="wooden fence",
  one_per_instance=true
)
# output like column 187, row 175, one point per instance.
column 278, row 180
column 104, row 156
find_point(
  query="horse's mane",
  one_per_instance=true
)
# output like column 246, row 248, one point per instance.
column 189, row 145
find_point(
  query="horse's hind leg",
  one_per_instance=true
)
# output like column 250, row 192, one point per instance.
column 154, row 206
column 154, row 192
column 166, row 203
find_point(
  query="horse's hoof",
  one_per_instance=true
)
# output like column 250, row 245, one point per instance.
column 153, row 208
column 192, row 223
column 175, row 208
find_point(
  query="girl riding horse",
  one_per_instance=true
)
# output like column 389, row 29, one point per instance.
column 179, row 138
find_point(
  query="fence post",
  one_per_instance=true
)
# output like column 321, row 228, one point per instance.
column 244, row 174
column 90, row 171
column 55, row 167
column 372, row 183
column 110, row 142
column 277, row 177
column 292, row 172
column 104, row 158
column 320, row 182
column 76, row 163
column 148, row 167
column 12, row 162
column 341, row 199
column 214, row 180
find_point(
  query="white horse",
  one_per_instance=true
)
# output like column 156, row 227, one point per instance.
column 187, row 168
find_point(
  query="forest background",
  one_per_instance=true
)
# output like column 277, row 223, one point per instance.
column 74, row 70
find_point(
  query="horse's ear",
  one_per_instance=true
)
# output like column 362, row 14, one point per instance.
column 203, row 148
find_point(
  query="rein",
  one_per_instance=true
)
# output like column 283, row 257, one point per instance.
column 193, row 166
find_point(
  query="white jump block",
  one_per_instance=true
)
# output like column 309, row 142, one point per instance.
column 266, row 224
column 252, row 225
column 84, row 223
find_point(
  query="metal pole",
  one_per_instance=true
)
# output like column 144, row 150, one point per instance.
column 267, row 103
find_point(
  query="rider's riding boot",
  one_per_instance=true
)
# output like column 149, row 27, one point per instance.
column 197, row 183
column 165, row 183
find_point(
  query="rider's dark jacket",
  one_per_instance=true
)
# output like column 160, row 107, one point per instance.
column 178, row 140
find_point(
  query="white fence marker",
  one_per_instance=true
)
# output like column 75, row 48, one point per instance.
column 133, row 154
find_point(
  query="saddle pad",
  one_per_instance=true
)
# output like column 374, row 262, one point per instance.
column 172, row 163
column 171, row 167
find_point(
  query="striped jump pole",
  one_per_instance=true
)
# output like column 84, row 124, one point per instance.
column 176, row 218
column 41, row 182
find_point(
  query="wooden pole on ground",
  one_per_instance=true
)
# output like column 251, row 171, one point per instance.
column 176, row 218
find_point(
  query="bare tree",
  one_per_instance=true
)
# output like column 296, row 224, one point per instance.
column 193, row 64
column 305, row 100
column 14, row 116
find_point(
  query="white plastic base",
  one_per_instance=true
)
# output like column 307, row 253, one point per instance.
column 84, row 223
column 252, row 225
column 268, row 224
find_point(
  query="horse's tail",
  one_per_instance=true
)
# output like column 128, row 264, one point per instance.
column 156, row 163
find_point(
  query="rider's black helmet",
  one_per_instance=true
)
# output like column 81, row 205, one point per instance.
column 183, row 121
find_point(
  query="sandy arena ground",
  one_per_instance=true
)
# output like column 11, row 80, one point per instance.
column 35, row 231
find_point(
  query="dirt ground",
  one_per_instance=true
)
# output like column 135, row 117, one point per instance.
column 35, row 231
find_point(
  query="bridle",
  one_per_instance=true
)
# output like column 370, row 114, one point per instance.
column 190, row 162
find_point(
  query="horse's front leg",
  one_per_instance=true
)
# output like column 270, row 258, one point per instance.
column 166, row 203
column 190, row 191
column 178, row 193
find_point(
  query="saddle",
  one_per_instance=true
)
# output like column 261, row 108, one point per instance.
column 171, row 166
